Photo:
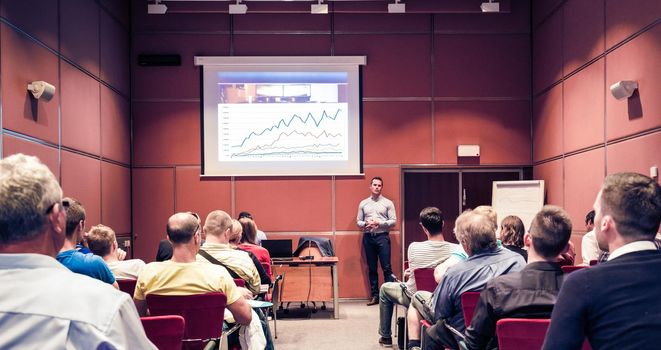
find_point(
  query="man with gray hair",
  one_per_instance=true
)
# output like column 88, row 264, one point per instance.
column 43, row 304
column 476, row 233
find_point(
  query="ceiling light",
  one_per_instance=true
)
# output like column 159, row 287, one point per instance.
column 490, row 6
column 156, row 8
column 319, row 9
column 238, row 8
column 396, row 7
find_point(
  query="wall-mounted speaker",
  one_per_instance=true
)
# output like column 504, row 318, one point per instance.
column 159, row 60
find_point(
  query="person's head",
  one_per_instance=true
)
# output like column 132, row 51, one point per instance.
column 589, row 221
column 249, row 231
column 235, row 232
column 245, row 214
column 75, row 220
column 101, row 240
column 475, row 231
column 627, row 209
column 31, row 203
column 490, row 213
column 431, row 219
column 218, row 225
column 512, row 231
column 376, row 185
column 549, row 232
column 184, row 228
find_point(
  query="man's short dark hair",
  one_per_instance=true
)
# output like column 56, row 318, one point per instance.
column 512, row 231
column 634, row 202
column 589, row 217
column 377, row 178
column 75, row 214
column 550, row 231
column 431, row 219
column 244, row 214
column 182, row 232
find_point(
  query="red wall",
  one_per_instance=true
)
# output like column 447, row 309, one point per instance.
column 580, row 132
column 432, row 81
column 83, row 133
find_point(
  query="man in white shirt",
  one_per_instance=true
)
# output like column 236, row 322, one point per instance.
column 102, row 241
column 44, row 305
column 589, row 248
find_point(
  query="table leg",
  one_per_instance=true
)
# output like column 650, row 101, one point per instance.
column 336, row 293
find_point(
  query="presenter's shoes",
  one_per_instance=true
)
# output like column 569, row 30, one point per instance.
column 385, row 341
column 373, row 301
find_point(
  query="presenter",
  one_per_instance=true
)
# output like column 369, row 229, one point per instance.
column 376, row 216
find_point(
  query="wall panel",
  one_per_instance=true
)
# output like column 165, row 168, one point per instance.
column 47, row 155
column 79, row 32
column 81, row 122
column 81, row 179
column 547, row 124
column 583, row 108
column 625, row 18
column 35, row 17
column 583, row 32
column 116, row 197
column 552, row 174
column 547, row 52
column 115, row 126
column 114, row 53
column 201, row 195
column 637, row 155
column 282, row 45
column 584, row 174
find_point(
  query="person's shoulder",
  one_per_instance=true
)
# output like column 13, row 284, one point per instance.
column 364, row 201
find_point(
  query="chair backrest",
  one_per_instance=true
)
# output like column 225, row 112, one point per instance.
column 239, row 282
column 203, row 312
column 127, row 286
column 166, row 332
column 572, row 268
column 424, row 279
column 521, row 334
column 468, row 304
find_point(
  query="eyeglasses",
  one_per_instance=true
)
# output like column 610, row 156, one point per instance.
column 197, row 219
column 64, row 205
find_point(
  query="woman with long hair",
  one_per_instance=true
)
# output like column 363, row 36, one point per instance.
column 511, row 232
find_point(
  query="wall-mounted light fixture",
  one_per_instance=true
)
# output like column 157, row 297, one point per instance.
column 624, row 89
column 238, row 8
column 157, row 8
column 490, row 6
column 41, row 90
column 396, row 7
column 319, row 9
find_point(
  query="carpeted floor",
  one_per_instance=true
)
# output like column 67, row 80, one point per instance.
column 357, row 328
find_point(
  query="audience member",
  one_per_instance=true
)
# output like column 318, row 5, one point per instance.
column 86, row 264
column 476, row 233
column 530, row 293
column 216, row 250
column 235, row 240
column 164, row 251
column 426, row 254
column 511, row 233
column 248, row 241
column 616, row 304
column 102, row 241
column 260, row 235
column 589, row 247
column 43, row 304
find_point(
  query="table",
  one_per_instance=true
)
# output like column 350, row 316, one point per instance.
column 309, row 280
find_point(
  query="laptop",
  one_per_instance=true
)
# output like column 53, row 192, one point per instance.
column 279, row 249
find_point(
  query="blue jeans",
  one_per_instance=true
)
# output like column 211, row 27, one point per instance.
column 391, row 293
column 377, row 247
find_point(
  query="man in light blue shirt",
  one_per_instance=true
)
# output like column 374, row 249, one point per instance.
column 376, row 216
column 43, row 304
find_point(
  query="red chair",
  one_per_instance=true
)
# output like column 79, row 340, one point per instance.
column 424, row 279
column 203, row 314
column 521, row 334
column 166, row 332
column 468, row 304
column 239, row 282
column 127, row 286
column 572, row 268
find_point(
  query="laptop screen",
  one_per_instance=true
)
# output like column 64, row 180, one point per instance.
column 278, row 248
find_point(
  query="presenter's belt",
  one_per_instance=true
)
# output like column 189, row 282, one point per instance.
column 377, row 233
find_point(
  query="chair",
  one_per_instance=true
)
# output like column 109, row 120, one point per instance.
column 572, row 268
column 127, row 286
column 424, row 279
column 521, row 334
column 203, row 314
column 239, row 282
column 275, row 300
column 166, row 332
column 524, row 334
column 468, row 304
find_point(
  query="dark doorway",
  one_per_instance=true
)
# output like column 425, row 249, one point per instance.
column 452, row 191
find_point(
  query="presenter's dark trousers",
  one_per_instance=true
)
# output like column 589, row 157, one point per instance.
column 377, row 246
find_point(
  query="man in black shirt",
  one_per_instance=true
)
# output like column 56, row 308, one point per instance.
column 530, row 293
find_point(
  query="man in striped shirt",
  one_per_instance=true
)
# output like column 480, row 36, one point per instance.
column 427, row 254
